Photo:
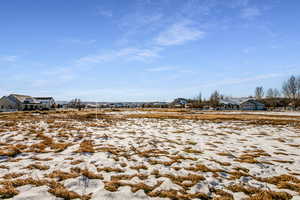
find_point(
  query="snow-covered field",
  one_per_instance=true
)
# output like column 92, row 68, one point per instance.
column 287, row 113
column 143, row 158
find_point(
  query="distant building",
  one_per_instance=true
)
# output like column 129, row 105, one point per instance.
column 17, row 102
column 240, row 104
column 179, row 103
column 47, row 102
column 252, row 104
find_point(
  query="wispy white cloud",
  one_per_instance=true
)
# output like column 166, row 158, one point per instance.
column 248, row 50
column 161, row 69
column 77, row 41
column 104, row 12
column 250, row 13
column 179, row 33
column 244, row 79
column 127, row 54
column 6, row 58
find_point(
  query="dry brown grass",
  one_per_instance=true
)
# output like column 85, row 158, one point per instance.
column 139, row 167
column 191, row 150
column 289, row 186
column 12, row 175
column 284, row 181
column 24, row 181
column 8, row 191
column 178, row 195
column 40, row 159
column 62, row 192
column 61, row 175
column 76, row 162
column 222, row 195
column 277, row 179
column 245, row 189
column 37, row 166
column 159, row 162
column 203, row 168
column 271, row 195
column 284, row 161
column 10, row 151
column 85, row 172
column 86, row 146
column 220, row 163
column 110, row 169
column 4, row 167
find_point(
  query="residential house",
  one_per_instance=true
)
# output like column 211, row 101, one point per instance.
column 179, row 103
column 252, row 104
column 17, row 102
column 47, row 102
column 240, row 104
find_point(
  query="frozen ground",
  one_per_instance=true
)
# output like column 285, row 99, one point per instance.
column 148, row 159
column 287, row 113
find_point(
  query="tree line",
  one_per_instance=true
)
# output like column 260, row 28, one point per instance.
column 287, row 96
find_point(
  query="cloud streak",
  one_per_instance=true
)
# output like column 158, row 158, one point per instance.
column 8, row 58
column 125, row 54
column 104, row 12
column 178, row 34
column 250, row 13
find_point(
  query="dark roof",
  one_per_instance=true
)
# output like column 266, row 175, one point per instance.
column 43, row 98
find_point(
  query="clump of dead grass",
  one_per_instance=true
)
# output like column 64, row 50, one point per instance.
column 110, row 169
column 37, row 166
column 271, row 195
column 8, row 191
column 61, row 175
column 12, row 175
column 10, row 151
column 86, row 146
column 85, row 172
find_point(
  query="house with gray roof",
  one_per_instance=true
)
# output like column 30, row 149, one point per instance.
column 241, row 104
column 17, row 102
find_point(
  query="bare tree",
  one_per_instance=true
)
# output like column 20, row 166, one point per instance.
column 199, row 98
column 259, row 92
column 289, row 88
column 298, row 86
column 276, row 93
column 270, row 93
column 214, row 98
column 76, row 103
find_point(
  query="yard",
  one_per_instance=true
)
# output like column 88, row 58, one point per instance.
column 149, row 154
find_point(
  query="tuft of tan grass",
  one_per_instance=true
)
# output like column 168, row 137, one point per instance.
column 245, row 189
column 138, row 167
column 12, row 175
column 61, row 175
column 85, row 172
column 37, row 166
column 221, row 163
column 8, row 191
column 10, row 151
column 64, row 193
column 284, row 161
column 190, row 150
column 4, row 167
column 76, row 162
column 110, row 169
column 40, row 159
column 271, row 195
column 289, row 186
column 86, row 146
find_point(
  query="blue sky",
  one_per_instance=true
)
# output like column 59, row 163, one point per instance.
column 144, row 50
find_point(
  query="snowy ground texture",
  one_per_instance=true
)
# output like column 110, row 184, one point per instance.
column 49, row 157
